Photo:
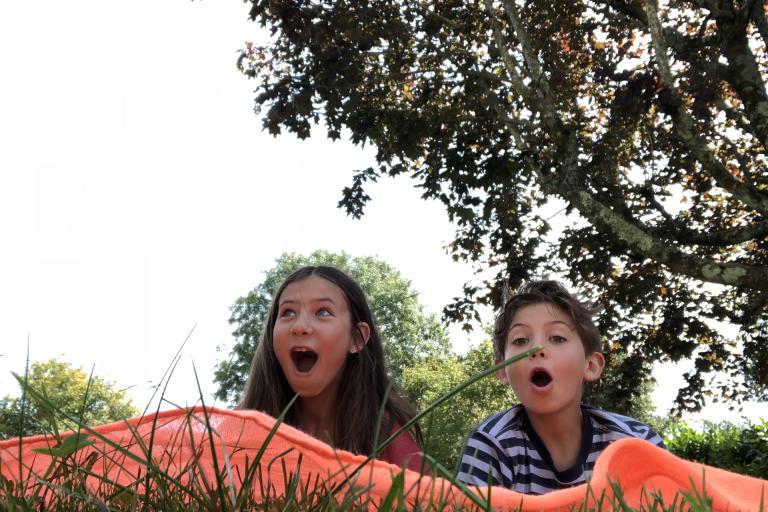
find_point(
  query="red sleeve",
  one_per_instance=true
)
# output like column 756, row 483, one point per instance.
column 404, row 452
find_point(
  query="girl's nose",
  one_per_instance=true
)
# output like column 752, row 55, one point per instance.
column 301, row 326
column 540, row 353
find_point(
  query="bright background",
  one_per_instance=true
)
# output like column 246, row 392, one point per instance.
column 139, row 197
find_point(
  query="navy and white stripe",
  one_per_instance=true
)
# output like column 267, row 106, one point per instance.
column 505, row 450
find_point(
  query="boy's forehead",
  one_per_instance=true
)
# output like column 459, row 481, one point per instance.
column 540, row 313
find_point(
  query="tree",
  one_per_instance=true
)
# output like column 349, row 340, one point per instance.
column 640, row 128
column 71, row 391
column 409, row 335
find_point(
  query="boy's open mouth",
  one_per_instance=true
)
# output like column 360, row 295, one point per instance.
column 540, row 378
column 303, row 359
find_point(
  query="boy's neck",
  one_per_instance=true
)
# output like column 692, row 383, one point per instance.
column 561, row 434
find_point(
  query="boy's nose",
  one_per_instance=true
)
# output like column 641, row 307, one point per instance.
column 540, row 353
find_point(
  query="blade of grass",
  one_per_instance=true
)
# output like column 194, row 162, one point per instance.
column 249, row 474
column 167, row 378
column 214, row 459
column 395, row 491
column 443, row 471
column 23, row 407
column 445, row 397
column 169, row 370
column 106, row 440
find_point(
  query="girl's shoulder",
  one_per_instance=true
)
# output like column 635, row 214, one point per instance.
column 404, row 451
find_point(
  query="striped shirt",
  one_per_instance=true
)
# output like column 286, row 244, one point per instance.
column 505, row 450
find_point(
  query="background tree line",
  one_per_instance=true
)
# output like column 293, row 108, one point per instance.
column 421, row 361
column 75, row 394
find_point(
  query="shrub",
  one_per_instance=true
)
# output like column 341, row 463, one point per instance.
column 739, row 448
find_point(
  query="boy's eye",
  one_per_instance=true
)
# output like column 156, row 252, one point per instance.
column 518, row 341
column 557, row 339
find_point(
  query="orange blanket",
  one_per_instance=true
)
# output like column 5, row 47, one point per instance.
column 181, row 436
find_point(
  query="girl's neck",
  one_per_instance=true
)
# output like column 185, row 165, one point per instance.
column 317, row 418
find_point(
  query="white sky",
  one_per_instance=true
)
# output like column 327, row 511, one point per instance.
column 139, row 197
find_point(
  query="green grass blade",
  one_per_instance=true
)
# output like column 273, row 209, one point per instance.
column 444, row 398
column 395, row 492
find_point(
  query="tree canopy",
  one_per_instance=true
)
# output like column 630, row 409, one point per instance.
column 619, row 143
column 408, row 333
column 92, row 399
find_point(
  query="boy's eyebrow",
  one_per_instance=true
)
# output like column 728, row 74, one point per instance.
column 521, row 324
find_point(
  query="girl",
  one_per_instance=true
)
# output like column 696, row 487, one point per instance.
column 321, row 343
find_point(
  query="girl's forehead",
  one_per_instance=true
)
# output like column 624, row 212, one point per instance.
column 313, row 287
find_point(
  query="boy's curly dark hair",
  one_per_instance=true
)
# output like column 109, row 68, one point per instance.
column 548, row 292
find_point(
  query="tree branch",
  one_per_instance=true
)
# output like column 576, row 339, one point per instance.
column 509, row 64
column 686, row 130
column 541, row 89
column 731, row 274
column 566, row 181
column 758, row 17
column 723, row 237
column 744, row 76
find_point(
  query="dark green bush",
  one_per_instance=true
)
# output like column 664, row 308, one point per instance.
column 738, row 448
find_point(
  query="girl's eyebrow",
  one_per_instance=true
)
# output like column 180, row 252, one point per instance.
column 293, row 301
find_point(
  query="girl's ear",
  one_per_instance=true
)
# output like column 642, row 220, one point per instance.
column 360, row 337
column 502, row 374
column 593, row 367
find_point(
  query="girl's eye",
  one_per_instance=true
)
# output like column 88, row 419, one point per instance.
column 287, row 313
column 324, row 312
column 557, row 339
column 518, row 341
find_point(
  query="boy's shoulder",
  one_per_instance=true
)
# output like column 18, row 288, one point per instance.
column 615, row 425
column 503, row 421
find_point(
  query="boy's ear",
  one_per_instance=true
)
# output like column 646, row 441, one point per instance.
column 360, row 338
column 593, row 367
column 502, row 374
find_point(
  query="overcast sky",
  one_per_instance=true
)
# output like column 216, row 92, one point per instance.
column 139, row 197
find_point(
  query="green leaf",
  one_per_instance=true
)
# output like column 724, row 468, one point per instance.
column 68, row 446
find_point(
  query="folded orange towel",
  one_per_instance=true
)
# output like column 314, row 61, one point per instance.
column 180, row 436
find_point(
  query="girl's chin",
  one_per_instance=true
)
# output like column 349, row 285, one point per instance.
column 303, row 393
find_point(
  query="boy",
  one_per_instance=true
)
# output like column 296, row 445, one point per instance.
column 550, row 440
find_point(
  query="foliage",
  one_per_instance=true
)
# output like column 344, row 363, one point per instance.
column 645, row 126
column 409, row 335
column 738, row 448
column 446, row 429
column 92, row 399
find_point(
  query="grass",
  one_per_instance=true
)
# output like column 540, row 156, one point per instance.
column 89, row 471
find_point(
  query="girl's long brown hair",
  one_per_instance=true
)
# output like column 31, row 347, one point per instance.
column 364, row 380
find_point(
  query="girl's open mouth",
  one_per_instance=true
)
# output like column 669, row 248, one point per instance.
column 304, row 359
column 540, row 378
